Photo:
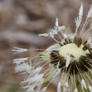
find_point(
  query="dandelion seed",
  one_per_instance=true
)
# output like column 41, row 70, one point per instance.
column 23, row 67
column 69, row 58
column 66, row 84
column 44, row 89
column 83, row 84
column 59, row 87
column 54, row 31
column 90, row 88
column 19, row 50
column 78, row 20
column 75, row 90
column 44, row 35
column 56, row 24
column 20, row 60
column 90, row 13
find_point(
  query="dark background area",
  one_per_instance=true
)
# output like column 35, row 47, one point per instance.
column 20, row 23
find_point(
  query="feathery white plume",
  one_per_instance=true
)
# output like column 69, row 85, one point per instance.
column 66, row 84
column 54, row 31
column 83, row 84
column 44, row 89
column 20, row 60
column 19, row 50
column 44, row 35
column 59, row 87
column 75, row 90
column 37, row 78
column 78, row 20
column 56, row 23
column 23, row 67
column 90, row 88
column 90, row 12
column 35, row 71
column 34, row 80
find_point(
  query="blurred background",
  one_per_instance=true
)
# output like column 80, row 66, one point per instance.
column 20, row 23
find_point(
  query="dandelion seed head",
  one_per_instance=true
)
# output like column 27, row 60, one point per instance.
column 70, row 54
column 70, row 58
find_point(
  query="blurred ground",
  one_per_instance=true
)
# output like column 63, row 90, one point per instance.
column 20, row 23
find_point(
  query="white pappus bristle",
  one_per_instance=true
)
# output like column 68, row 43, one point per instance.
column 19, row 50
column 78, row 20
column 56, row 23
column 20, row 60
column 83, row 84
column 59, row 87
column 75, row 90
column 89, row 12
column 23, row 67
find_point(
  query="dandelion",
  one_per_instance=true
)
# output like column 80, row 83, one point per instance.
column 70, row 58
